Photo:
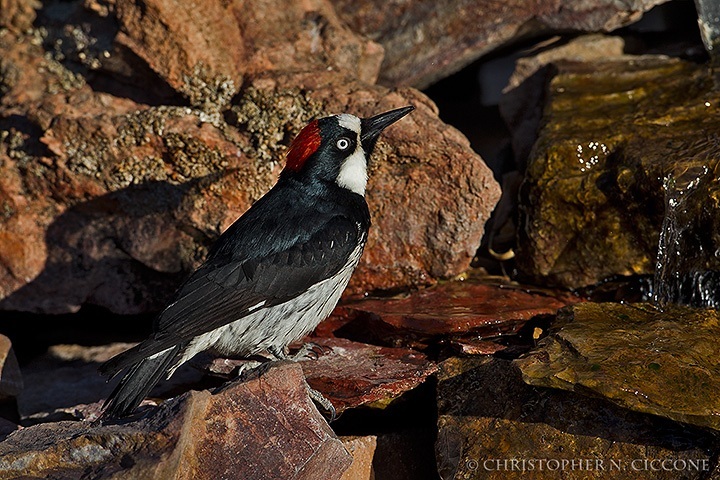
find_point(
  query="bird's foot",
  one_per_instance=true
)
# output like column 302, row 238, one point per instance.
column 278, row 352
column 309, row 350
column 324, row 403
column 247, row 367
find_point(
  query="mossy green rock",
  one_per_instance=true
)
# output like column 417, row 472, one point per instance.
column 592, row 203
column 665, row 363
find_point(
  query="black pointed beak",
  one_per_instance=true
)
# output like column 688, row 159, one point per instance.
column 371, row 128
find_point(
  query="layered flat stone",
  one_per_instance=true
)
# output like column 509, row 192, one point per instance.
column 492, row 425
column 264, row 426
column 663, row 362
column 470, row 310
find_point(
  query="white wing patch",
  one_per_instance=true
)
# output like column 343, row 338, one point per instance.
column 256, row 306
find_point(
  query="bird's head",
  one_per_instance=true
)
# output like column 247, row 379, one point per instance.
column 337, row 148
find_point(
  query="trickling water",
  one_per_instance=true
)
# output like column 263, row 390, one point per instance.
column 687, row 269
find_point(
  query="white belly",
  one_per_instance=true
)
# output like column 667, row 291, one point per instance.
column 279, row 325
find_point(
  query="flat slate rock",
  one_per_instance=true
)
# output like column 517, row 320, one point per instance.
column 666, row 363
column 350, row 374
column 354, row 373
column 452, row 309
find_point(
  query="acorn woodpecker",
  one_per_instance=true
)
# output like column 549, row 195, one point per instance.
column 276, row 272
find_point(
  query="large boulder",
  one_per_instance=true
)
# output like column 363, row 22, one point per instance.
column 491, row 425
column 426, row 41
column 637, row 356
column 594, row 197
column 264, row 427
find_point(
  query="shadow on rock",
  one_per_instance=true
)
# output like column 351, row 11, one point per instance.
column 127, row 250
column 84, row 40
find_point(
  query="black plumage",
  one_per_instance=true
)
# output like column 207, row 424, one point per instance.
column 257, row 260
column 277, row 271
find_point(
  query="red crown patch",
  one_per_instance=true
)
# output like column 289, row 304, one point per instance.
column 304, row 145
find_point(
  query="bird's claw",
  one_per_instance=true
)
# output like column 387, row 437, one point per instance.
column 324, row 403
column 309, row 350
column 312, row 351
column 247, row 367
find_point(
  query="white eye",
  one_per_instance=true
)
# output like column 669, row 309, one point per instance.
column 343, row 143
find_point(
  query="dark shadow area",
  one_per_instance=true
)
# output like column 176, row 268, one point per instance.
column 459, row 101
column 406, row 430
column 120, row 250
column 28, row 136
column 31, row 334
column 98, row 254
column 84, row 40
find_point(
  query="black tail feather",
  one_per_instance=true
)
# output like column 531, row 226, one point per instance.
column 137, row 383
column 123, row 360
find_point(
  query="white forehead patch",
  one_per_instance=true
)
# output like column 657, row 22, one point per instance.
column 351, row 122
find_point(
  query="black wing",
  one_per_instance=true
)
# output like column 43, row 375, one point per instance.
column 224, row 290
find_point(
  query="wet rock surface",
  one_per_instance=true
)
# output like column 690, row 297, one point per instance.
column 487, row 415
column 133, row 133
column 350, row 374
column 353, row 374
column 524, row 96
column 592, row 204
column 660, row 362
column 465, row 312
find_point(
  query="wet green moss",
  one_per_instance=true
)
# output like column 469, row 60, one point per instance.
column 593, row 202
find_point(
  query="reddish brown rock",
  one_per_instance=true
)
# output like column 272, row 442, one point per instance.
column 475, row 346
column 363, row 450
column 467, row 311
column 204, row 52
column 264, row 427
column 127, row 208
column 353, row 374
column 350, row 374
column 426, row 41
column 124, row 199
column 111, row 202
column 18, row 15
